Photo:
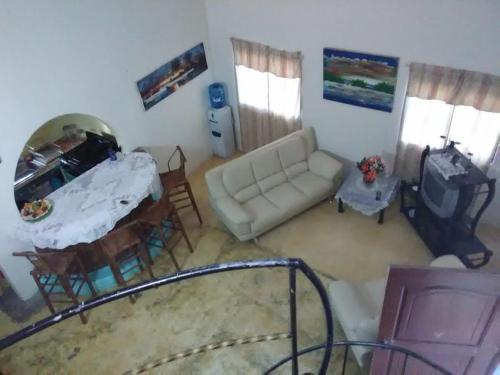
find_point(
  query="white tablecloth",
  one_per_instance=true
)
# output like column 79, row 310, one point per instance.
column 362, row 197
column 442, row 162
column 88, row 207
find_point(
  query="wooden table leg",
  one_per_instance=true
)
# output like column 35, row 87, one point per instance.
column 381, row 216
column 341, row 206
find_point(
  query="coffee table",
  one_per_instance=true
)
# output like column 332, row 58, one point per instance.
column 368, row 199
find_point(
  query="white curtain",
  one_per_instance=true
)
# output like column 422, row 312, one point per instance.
column 459, row 105
column 269, row 85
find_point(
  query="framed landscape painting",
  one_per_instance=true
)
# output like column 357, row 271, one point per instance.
column 169, row 77
column 359, row 79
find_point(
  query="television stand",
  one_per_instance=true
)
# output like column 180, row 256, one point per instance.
column 456, row 234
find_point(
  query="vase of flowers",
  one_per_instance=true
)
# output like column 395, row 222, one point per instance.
column 371, row 167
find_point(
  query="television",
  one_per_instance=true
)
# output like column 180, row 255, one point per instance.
column 439, row 195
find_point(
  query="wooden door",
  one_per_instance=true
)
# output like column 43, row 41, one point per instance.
column 451, row 317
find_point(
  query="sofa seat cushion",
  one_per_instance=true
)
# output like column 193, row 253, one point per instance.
column 296, row 169
column 247, row 193
column 311, row 184
column 272, row 181
column 286, row 197
column 264, row 212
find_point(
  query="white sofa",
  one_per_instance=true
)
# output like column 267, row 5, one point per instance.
column 358, row 307
column 261, row 189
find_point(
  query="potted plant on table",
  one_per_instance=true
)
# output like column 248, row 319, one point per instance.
column 371, row 167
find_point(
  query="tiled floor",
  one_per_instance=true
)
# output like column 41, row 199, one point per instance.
column 121, row 336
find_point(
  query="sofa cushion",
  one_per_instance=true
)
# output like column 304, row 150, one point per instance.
column 239, row 180
column 267, row 170
column 448, row 261
column 293, row 156
column 373, row 292
column 296, row 169
column 236, row 224
column 264, row 212
column 247, row 193
column 292, row 151
column 311, row 184
column 234, row 211
column 272, row 181
column 354, row 316
column 324, row 165
column 349, row 305
column 286, row 197
column 215, row 184
column 368, row 329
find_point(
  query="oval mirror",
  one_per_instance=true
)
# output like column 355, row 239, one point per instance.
column 57, row 152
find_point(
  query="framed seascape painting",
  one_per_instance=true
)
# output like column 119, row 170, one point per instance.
column 359, row 79
column 169, row 77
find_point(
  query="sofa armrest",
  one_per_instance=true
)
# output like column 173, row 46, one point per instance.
column 233, row 211
column 215, row 185
column 448, row 261
column 324, row 165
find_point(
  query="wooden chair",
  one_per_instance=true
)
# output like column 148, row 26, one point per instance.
column 56, row 270
column 123, row 246
column 160, row 217
column 177, row 186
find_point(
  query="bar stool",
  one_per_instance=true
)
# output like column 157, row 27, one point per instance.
column 176, row 185
column 161, row 222
column 56, row 270
column 124, row 248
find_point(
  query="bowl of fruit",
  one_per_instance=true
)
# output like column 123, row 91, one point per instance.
column 36, row 210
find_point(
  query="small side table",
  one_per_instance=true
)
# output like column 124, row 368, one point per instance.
column 368, row 199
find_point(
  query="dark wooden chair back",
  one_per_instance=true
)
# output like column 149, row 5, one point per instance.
column 48, row 262
column 176, row 184
column 69, row 274
column 121, row 239
column 157, row 211
column 182, row 160
column 34, row 258
column 122, row 245
column 160, row 221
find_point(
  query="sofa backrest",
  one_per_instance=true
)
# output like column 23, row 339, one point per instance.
column 239, row 181
column 293, row 155
column 262, row 169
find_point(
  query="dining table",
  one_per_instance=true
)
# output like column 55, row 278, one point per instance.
column 88, row 207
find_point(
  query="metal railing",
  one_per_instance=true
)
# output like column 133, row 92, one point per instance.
column 292, row 264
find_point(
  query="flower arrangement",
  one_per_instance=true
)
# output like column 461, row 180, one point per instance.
column 371, row 167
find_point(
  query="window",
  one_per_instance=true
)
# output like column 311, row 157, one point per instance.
column 478, row 132
column 458, row 105
column 268, row 82
column 268, row 92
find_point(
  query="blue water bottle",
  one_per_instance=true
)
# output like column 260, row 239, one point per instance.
column 217, row 95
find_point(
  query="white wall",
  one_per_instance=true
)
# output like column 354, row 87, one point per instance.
column 457, row 33
column 70, row 56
